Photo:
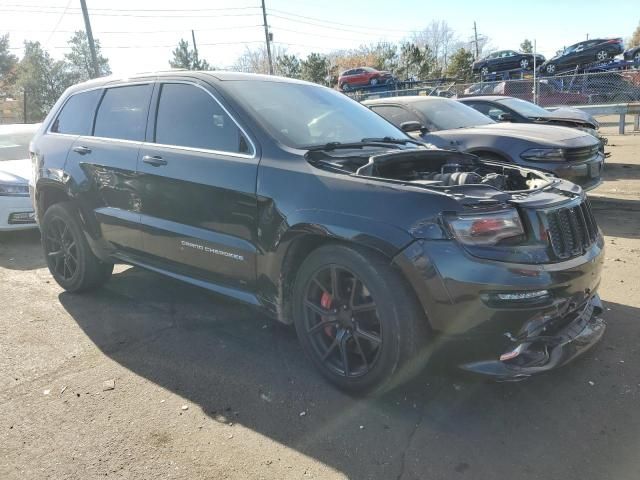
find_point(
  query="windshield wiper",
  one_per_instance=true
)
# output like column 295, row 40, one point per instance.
column 396, row 141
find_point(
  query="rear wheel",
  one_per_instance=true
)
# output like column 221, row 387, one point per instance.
column 357, row 320
column 484, row 70
column 602, row 55
column 345, row 87
column 67, row 253
column 524, row 64
column 550, row 69
column 373, row 82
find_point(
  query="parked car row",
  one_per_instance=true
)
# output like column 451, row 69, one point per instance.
column 582, row 53
column 300, row 201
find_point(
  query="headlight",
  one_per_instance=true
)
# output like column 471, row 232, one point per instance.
column 544, row 154
column 486, row 229
column 14, row 190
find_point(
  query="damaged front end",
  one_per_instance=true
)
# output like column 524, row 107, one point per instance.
column 508, row 269
column 545, row 345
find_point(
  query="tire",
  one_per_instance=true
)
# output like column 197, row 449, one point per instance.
column 524, row 64
column 602, row 55
column 67, row 253
column 346, row 87
column 636, row 57
column 484, row 70
column 550, row 69
column 385, row 344
column 373, row 82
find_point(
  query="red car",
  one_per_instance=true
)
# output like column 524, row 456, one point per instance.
column 358, row 77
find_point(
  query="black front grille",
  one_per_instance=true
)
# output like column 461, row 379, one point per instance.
column 581, row 153
column 571, row 230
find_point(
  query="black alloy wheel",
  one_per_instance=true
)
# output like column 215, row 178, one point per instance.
column 358, row 320
column 70, row 260
column 61, row 249
column 341, row 320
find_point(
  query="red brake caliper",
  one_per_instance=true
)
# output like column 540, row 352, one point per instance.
column 325, row 302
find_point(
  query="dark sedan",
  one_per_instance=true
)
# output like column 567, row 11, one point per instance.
column 633, row 54
column 506, row 60
column 583, row 53
column 516, row 110
column 445, row 123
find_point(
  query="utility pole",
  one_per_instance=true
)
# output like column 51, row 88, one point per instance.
column 267, row 37
column 475, row 34
column 92, row 46
column 196, row 63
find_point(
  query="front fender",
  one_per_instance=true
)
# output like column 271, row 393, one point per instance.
column 286, row 246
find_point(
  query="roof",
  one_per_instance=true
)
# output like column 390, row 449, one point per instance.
column 217, row 75
column 405, row 100
column 487, row 98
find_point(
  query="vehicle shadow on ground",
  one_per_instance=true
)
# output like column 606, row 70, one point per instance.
column 21, row 250
column 240, row 367
column 617, row 217
column 621, row 171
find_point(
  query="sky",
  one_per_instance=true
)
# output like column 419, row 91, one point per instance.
column 139, row 35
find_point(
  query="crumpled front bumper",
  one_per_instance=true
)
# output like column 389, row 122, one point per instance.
column 528, row 356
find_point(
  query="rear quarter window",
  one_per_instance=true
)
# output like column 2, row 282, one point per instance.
column 122, row 114
column 76, row 115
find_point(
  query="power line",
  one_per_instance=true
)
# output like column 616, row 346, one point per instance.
column 46, row 43
column 173, row 45
column 326, row 26
column 113, row 32
column 134, row 15
column 331, row 22
column 53, row 7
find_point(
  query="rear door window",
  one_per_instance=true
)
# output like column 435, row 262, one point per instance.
column 123, row 112
column 189, row 117
column 76, row 115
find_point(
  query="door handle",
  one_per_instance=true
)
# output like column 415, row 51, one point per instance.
column 154, row 160
column 82, row 150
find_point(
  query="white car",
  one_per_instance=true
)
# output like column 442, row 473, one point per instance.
column 16, row 210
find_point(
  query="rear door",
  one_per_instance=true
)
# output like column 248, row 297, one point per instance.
column 107, row 160
column 198, row 172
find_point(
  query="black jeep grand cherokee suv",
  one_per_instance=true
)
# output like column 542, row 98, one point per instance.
column 294, row 198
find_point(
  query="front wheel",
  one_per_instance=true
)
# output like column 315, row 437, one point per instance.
column 373, row 82
column 524, row 64
column 357, row 320
column 68, row 255
column 602, row 55
column 484, row 70
column 550, row 69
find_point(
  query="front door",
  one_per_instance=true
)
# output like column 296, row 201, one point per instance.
column 198, row 170
column 108, row 159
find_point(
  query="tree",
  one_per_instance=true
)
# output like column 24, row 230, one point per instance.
column 185, row 57
column 42, row 78
column 80, row 61
column 460, row 65
column 288, row 66
column 441, row 40
column 414, row 62
column 526, row 46
column 7, row 59
column 315, row 68
column 635, row 38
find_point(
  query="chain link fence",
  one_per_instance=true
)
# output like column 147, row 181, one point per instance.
column 600, row 88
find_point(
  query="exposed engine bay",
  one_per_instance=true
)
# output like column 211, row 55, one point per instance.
column 433, row 168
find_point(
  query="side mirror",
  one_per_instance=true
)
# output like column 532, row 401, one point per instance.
column 412, row 126
column 505, row 117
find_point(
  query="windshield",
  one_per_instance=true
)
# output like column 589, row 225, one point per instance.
column 302, row 115
column 524, row 108
column 442, row 114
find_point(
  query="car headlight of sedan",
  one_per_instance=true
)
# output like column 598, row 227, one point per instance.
column 544, row 154
column 14, row 190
